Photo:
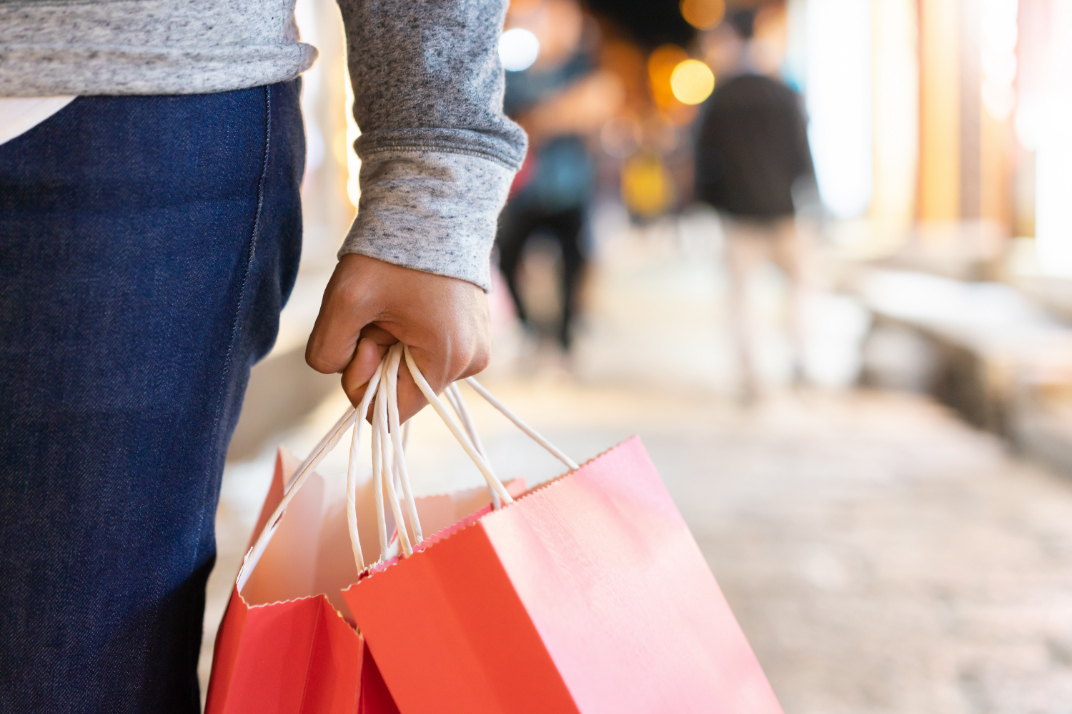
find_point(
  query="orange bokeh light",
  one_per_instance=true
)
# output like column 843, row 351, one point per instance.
column 661, row 64
column 703, row 14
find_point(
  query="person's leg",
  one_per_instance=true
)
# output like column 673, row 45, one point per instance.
column 146, row 247
column 515, row 227
column 790, row 256
column 742, row 254
column 568, row 228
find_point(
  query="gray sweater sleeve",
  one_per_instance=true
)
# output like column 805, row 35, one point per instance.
column 437, row 153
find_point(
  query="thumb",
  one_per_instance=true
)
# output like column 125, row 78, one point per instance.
column 356, row 376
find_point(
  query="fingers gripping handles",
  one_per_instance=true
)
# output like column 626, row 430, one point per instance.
column 389, row 472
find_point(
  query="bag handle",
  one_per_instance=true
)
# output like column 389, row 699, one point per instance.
column 389, row 462
column 454, row 397
column 493, row 481
column 532, row 433
column 388, row 438
column 322, row 449
column 398, row 441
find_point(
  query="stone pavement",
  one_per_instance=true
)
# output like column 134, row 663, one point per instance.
column 880, row 555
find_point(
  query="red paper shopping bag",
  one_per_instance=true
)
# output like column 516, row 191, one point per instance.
column 287, row 643
column 282, row 646
column 585, row 595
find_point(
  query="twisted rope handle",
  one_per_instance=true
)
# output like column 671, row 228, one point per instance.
column 351, row 474
column 388, row 439
column 382, row 468
column 454, row 396
column 399, row 457
column 532, row 433
column 493, row 481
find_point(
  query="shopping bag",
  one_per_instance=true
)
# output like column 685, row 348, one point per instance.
column 585, row 595
column 287, row 642
column 282, row 646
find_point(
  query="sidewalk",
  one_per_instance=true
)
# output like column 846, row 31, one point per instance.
column 880, row 555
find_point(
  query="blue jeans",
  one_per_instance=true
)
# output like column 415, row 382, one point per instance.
column 147, row 245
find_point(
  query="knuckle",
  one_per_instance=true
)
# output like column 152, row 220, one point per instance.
column 480, row 361
column 350, row 296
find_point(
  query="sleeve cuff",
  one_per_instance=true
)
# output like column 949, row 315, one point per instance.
column 430, row 210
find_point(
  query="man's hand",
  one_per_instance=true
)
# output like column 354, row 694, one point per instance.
column 369, row 305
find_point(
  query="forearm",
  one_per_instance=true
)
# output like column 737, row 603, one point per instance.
column 437, row 152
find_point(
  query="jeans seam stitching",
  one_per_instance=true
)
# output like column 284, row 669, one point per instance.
column 245, row 277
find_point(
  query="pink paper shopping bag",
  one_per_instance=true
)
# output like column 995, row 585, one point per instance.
column 585, row 595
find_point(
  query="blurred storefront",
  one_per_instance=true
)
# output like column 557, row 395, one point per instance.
column 942, row 150
column 939, row 131
column 931, row 121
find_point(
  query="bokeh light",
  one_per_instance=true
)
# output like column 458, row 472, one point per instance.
column 703, row 14
column 692, row 81
column 518, row 49
column 647, row 187
column 661, row 64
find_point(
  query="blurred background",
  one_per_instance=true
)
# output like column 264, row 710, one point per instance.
column 818, row 254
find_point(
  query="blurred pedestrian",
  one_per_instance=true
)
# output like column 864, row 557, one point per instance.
column 752, row 157
column 151, row 158
column 560, row 100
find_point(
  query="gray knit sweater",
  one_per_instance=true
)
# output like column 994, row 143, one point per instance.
column 437, row 153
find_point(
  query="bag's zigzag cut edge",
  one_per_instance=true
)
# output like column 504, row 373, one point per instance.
column 470, row 521
column 442, row 535
column 558, row 479
column 323, row 596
